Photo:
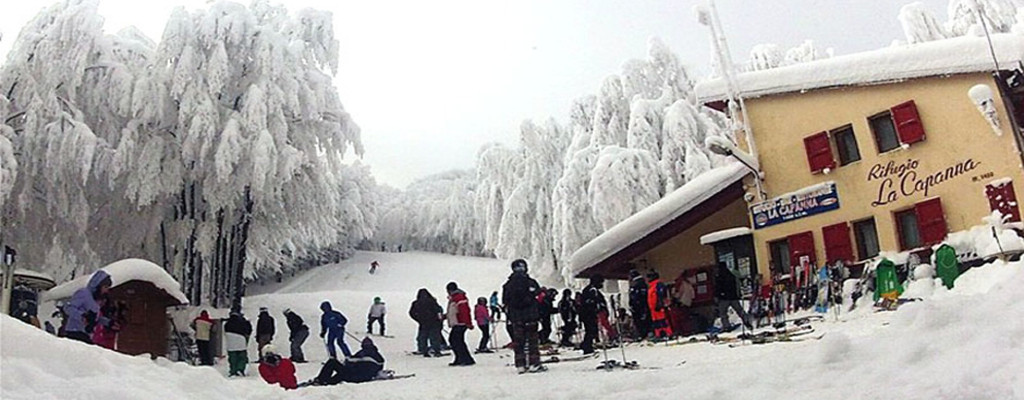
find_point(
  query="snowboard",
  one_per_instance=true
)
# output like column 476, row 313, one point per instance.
column 821, row 303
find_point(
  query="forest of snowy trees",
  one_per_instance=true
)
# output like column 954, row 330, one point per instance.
column 217, row 153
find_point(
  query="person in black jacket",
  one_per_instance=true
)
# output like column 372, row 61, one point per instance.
column 236, row 340
column 591, row 302
column 264, row 330
column 567, row 309
column 364, row 366
column 297, row 334
column 727, row 295
column 427, row 313
column 638, row 304
column 547, row 309
column 519, row 294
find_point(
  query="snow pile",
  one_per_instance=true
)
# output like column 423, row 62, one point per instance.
column 941, row 57
column 986, row 240
column 121, row 272
column 656, row 215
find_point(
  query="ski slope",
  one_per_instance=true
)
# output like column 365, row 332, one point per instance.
column 967, row 343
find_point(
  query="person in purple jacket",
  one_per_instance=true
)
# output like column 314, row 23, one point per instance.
column 83, row 310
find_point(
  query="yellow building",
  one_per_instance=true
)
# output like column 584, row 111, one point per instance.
column 882, row 151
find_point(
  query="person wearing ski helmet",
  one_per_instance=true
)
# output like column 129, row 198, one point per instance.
column 592, row 303
column 297, row 334
column 459, row 319
column 332, row 325
column 519, row 294
column 377, row 312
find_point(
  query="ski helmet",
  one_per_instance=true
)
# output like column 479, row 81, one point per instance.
column 519, row 265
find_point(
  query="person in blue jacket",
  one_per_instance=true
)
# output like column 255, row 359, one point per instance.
column 332, row 324
column 83, row 310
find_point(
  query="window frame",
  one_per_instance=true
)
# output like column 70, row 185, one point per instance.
column 887, row 114
column 858, row 239
column 834, row 135
column 774, row 262
column 900, row 231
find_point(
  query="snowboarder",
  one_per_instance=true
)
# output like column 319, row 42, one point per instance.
column 547, row 307
column 657, row 301
column 373, row 266
column 377, row 312
column 236, row 341
column 83, row 310
column 427, row 313
column 297, row 334
column 591, row 303
column 459, row 321
column 264, row 330
column 364, row 366
column 202, row 326
column 332, row 324
column 567, row 309
column 727, row 295
column 495, row 306
column 519, row 294
column 277, row 369
column 638, row 304
column 483, row 321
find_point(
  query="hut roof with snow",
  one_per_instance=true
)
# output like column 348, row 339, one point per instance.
column 122, row 272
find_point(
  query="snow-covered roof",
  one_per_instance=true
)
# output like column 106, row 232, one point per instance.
column 121, row 272
column 670, row 207
column 37, row 280
column 721, row 235
column 958, row 55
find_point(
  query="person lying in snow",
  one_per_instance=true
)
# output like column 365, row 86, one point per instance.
column 276, row 369
column 364, row 366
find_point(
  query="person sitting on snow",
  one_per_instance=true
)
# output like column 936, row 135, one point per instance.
column 364, row 366
column 277, row 369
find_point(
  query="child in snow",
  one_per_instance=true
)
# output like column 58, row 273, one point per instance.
column 105, row 334
column 276, row 369
column 364, row 366
column 377, row 311
column 483, row 320
column 332, row 324
column 495, row 307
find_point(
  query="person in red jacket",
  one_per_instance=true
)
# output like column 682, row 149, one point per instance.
column 459, row 319
column 277, row 369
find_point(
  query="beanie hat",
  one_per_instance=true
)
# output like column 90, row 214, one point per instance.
column 367, row 342
column 452, row 286
column 519, row 265
column 633, row 274
column 264, row 309
column 287, row 311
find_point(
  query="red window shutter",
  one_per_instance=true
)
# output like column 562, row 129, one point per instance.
column 1003, row 198
column 800, row 245
column 819, row 152
column 908, row 122
column 930, row 221
column 837, row 243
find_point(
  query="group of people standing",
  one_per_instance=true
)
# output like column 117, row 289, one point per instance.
column 430, row 317
column 91, row 316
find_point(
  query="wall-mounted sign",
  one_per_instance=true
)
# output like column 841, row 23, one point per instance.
column 902, row 180
column 805, row 202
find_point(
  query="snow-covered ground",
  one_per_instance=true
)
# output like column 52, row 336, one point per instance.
column 967, row 343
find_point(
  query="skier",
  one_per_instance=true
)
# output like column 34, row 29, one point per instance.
column 277, row 369
column 567, row 309
column 264, row 330
column 727, row 295
column 332, row 324
column 427, row 313
column 547, row 307
column 657, row 301
column 364, row 366
column 83, row 310
column 236, row 341
column 519, row 294
column 202, row 326
column 459, row 321
column 483, row 321
column 377, row 312
column 591, row 303
column 297, row 334
column 373, row 266
column 638, row 304
column 495, row 307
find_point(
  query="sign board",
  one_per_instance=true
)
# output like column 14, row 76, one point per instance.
column 803, row 203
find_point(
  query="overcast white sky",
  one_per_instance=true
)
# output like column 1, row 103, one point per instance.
column 430, row 82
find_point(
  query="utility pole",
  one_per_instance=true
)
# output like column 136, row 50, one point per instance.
column 8, row 288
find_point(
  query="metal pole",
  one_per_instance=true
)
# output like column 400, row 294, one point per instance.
column 8, row 285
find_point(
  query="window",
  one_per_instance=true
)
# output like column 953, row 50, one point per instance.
column 780, row 256
column 900, row 125
column 885, row 132
column 906, row 226
column 867, row 238
column 846, row 145
column 837, row 243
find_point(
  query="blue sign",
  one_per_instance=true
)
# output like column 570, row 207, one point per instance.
column 805, row 202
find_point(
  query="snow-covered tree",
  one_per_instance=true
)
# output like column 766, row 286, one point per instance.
column 620, row 184
column 919, row 25
column 765, row 56
column 1000, row 15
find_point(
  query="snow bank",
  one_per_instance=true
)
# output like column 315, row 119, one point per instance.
column 656, row 215
column 124, row 271
column 941, row 57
